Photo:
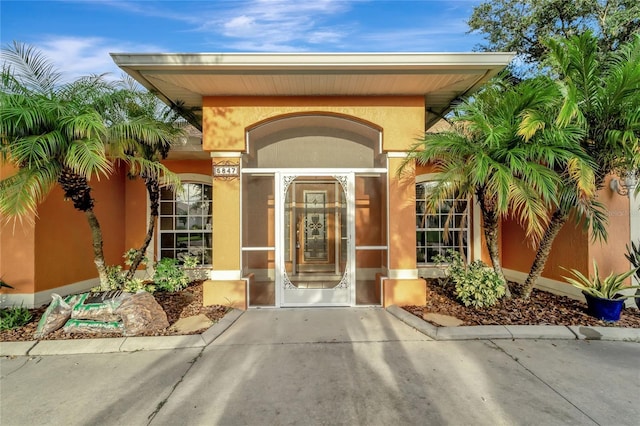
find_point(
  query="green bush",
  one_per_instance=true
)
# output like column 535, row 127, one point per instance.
column 475, row 284
column 117, row 280
column 13, row 317
column 169, row 276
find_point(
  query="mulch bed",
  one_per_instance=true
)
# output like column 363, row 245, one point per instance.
column 180, row 304
column 541, row 309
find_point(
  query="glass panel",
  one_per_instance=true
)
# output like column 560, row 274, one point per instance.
column 166, row 208
column 371, row 208
column 370, row 266
column 437, row 240
column 258, row 218
column 182, row 240
column 166, row 223
column 315, row 239
column 259, row 268
column 167, row 240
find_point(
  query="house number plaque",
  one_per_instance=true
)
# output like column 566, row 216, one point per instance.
column 226, row 170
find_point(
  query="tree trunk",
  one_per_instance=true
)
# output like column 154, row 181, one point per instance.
column 490, row 224
column 558, row 219
column 153, row 190
column 98, row 255
column 77, row 189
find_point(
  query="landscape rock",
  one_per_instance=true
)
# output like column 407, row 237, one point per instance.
column 443, row 320
column 141, row 313
column 191, row 324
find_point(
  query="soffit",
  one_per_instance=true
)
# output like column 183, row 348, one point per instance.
column 439, row 77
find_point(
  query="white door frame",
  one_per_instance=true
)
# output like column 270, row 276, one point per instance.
column 344, row 294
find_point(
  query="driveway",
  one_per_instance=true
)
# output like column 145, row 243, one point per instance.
column 330, row 366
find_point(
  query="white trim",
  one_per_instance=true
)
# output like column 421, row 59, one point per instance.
column 313, row 171
column 228, row 275
column 315, row 61
column 402, row 274
column 30, row 300
column 218, row 154
column 372, row 247
column 477, row 230
column 396, row 154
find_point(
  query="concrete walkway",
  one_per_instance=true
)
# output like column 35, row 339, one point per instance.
column 329, row 366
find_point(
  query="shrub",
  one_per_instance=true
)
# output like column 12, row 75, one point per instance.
column 475, row 284
column 117, row 280
column 169, row 276
column 13, row 317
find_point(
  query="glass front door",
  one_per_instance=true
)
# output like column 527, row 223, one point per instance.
column 315, row 254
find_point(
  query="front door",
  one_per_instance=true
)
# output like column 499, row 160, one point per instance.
column 315, row 254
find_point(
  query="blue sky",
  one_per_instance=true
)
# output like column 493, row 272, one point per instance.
column 78, row 35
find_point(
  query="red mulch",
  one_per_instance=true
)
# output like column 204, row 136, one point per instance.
column 541, row 309
column 180, row 304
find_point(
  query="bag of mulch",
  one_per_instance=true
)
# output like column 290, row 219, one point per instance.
column 79, row 326
column 56, row 315
column 99, row 306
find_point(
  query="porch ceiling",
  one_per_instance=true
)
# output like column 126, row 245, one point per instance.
column 187, row 77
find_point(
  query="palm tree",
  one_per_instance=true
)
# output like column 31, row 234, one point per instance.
column 52, row 134
column 509, row 169
column 603, row 98
column 145, row 129
column 64, row 133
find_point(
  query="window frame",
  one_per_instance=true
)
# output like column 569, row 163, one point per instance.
column 206, row 223
column 422, row 245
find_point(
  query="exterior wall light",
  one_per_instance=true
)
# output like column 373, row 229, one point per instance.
column 625, row 186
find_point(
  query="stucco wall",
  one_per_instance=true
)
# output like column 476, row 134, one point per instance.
column 63, row 246
column 572, row 248
column 225, row 119
column 17, row 241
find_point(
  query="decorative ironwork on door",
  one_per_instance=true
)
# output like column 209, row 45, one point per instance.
column 315, row 226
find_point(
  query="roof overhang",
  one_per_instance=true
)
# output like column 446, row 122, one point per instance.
column 185, row 78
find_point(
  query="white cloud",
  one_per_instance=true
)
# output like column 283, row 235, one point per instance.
column 81, row 56
column 277, row 25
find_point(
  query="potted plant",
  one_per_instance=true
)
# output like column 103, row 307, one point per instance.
column 633, row 256
column 603, row 298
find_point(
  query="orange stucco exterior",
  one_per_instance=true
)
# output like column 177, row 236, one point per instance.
column 573, row 248
column 226, row 119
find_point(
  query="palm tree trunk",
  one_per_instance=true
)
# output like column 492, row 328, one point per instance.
column 77, row 189
column 490, row 224
column 153, row 190
column 558, row 219
column 98, row 254
column 491, row 235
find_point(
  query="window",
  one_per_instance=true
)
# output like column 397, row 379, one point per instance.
column 185, row 223
column 431, row 238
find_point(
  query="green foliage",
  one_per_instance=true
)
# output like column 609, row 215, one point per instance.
column 117, row 280
column 169, row 276
column 190, row 261
column 633, row 256
column 130, row 255
column 4, row 284
column 13, row 317
column 475, row 284
column 604, row 288
column 523, row 26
